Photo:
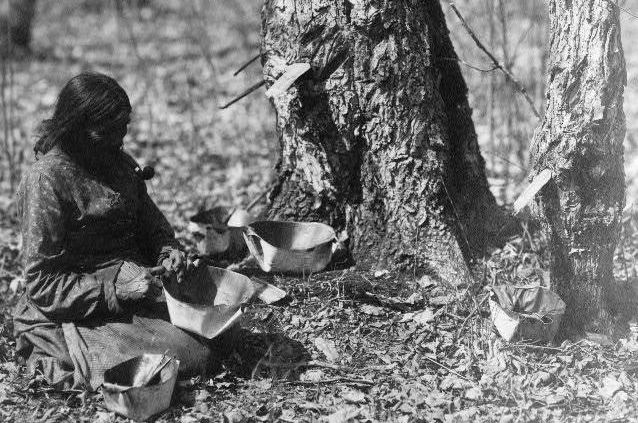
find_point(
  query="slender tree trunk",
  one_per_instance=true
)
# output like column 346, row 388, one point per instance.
column 16, row 17
column 581, row 141
column 492, row 88
column 377, row 138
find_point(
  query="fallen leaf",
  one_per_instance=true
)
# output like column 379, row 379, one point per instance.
column 452, row 381
column 424, row 317
column 353, row 396
column 233, row 416
column 381, row 273
column 16, row 285
column 372, row 310
column 328, row 349
column 474, row 393
column 312, row 375
column 189, row 418
column 426, row 281
column 440, row 300
column 343, row 415
column 598, row 338
column 415, row 298
column 609, row 387
column 103, row 417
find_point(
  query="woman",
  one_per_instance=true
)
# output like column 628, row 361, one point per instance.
column 95, row 247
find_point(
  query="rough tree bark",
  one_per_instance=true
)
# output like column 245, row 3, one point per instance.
column 377, row 138
column 581, row 141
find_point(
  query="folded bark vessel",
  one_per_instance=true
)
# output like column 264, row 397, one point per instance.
column 210, row 300
column 139, row 402
column 526, row 313
column 298, row 247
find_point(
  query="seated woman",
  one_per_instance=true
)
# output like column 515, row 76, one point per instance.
column 94, row 247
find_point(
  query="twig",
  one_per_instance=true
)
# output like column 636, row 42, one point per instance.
column 531, row 346
column 245, row 65
column 623, row 9
column 141, row 64
column 203, row 40
column 242, row 95
column 469, row 316
column 458, row 59
column 496, row 63
column 297, row 364
column 254, row 202
column 332, row 380
column 443, row 366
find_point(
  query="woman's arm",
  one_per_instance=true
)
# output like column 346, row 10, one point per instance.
column 57, row 291
column 154, row 230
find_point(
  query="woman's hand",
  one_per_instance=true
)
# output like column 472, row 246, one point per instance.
column 176, row 264
column 179, row 264
column 145, row 286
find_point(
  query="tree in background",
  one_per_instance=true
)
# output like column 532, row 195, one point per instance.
column 16, row 17
column 581, row 142
column 377, row 138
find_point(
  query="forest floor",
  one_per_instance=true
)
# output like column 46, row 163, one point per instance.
column 346, row 345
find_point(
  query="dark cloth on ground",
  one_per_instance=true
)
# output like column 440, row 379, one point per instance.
column 78, row 230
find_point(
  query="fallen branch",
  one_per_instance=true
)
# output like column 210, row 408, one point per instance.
column 297, row 364
column 320, row 364
column 496, row 63
column 346, row 380
column 443, row 366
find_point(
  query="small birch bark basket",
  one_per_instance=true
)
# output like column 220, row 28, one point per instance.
column 526, row 313
column 295, row 247
column 139, row 402
column 211, row 300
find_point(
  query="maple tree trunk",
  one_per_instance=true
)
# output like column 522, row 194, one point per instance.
column 16, row 17
column 377, row 138
column 581, row 141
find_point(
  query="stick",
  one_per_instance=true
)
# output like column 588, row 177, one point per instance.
column 297, row 364
column 448, row 369
column 458, row 59
column 333, row 380
column 469, row 316
column 245, row 65
column 203, row 40
column 623, row 9
column 496, row 63
column 259, row 197
column 252, row 204
column 242, row 95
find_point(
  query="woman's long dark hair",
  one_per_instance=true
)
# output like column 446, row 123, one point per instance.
column 91, row 104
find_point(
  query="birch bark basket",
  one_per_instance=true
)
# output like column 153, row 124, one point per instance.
column 581, row 142
column 377, row 138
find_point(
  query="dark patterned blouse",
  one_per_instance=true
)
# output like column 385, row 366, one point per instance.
column 77, row 229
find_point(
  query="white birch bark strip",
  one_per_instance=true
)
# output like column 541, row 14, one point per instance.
column 532, row 189
column 292, row 73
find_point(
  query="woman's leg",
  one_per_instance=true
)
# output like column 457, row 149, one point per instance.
column 96, row 348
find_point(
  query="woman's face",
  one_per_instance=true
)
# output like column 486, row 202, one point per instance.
column 114, row 141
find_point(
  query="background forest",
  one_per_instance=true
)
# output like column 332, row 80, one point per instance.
column 177, row 62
